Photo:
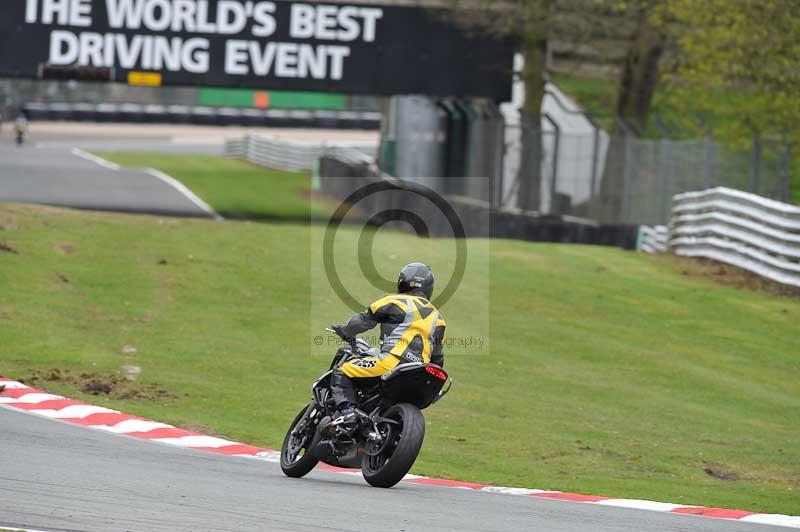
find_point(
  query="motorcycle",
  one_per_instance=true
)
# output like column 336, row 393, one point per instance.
column 387, row 442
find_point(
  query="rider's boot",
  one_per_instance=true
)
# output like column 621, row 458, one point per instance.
column 348, row 418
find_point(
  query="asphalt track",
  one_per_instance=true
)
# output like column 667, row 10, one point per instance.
column 54, row 175
column 46, row 171
column 59, row 477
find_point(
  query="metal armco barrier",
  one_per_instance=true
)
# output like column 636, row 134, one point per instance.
column 653, row 239
column 292, row 155
column 741, row 229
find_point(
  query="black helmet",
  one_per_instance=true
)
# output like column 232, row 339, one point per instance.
column 416, row 277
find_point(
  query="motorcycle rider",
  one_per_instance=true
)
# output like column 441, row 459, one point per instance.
column 21, row 128
column 412, row 330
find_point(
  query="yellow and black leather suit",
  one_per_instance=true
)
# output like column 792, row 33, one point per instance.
column 412, row 330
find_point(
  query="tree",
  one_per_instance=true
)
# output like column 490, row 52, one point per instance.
column 640, row 72
column 738, row 61
column 526, row 21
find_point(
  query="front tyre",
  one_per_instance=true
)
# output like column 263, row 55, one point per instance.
column 386, row 464
column 296, row 456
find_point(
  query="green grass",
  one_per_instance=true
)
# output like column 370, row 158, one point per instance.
column 234, row 188
column 609, row 372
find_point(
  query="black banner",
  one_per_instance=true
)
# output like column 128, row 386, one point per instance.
column 346, row 48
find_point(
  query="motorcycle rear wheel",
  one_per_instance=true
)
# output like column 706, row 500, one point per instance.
column 294, row 464
column 397, row 455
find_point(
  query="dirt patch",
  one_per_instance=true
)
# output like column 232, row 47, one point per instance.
column 98, row 385
column 727, row 275
column 65, row 249
column 146, row 392
column 5, row 248
column 51, row 375
column 114, row 386
column 719, row 473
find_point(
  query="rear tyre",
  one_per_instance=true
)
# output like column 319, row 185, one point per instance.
column 296, row 456
column 386, row 466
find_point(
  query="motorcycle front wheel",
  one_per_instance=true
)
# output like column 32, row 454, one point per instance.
column 385, row 464
column 296, row 456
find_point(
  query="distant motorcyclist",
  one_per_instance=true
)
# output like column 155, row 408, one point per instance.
column 412, row 330
column 21, row 128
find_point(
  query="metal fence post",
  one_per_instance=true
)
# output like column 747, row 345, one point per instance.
column 663, row 172
column 626, row 193
column 595, row 152
column 554, row 179
column 626, row 169
column 756, row 164
column 708, row 167
column 498, row 155
column 784, row 169
column 664, row 179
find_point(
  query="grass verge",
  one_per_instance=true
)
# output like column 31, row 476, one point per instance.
column 610, row 373
column 234, row 188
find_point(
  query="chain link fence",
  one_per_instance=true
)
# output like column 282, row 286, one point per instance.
column 626, row 179
column 566, row 164
column 639, row 176
column 550, row 168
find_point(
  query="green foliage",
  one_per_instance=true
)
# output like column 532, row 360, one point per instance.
column 746, row 54
column 599, row 96
column 596, row 96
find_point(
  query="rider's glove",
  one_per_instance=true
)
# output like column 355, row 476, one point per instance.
column 340, row 332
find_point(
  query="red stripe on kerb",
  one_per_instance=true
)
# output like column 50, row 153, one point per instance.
column 239, row 448
column 574, row 497
column 445, row 482
column 719, row 513
column 111, row 419
column 52, row 404
column 7, row 382
column 16, row 393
